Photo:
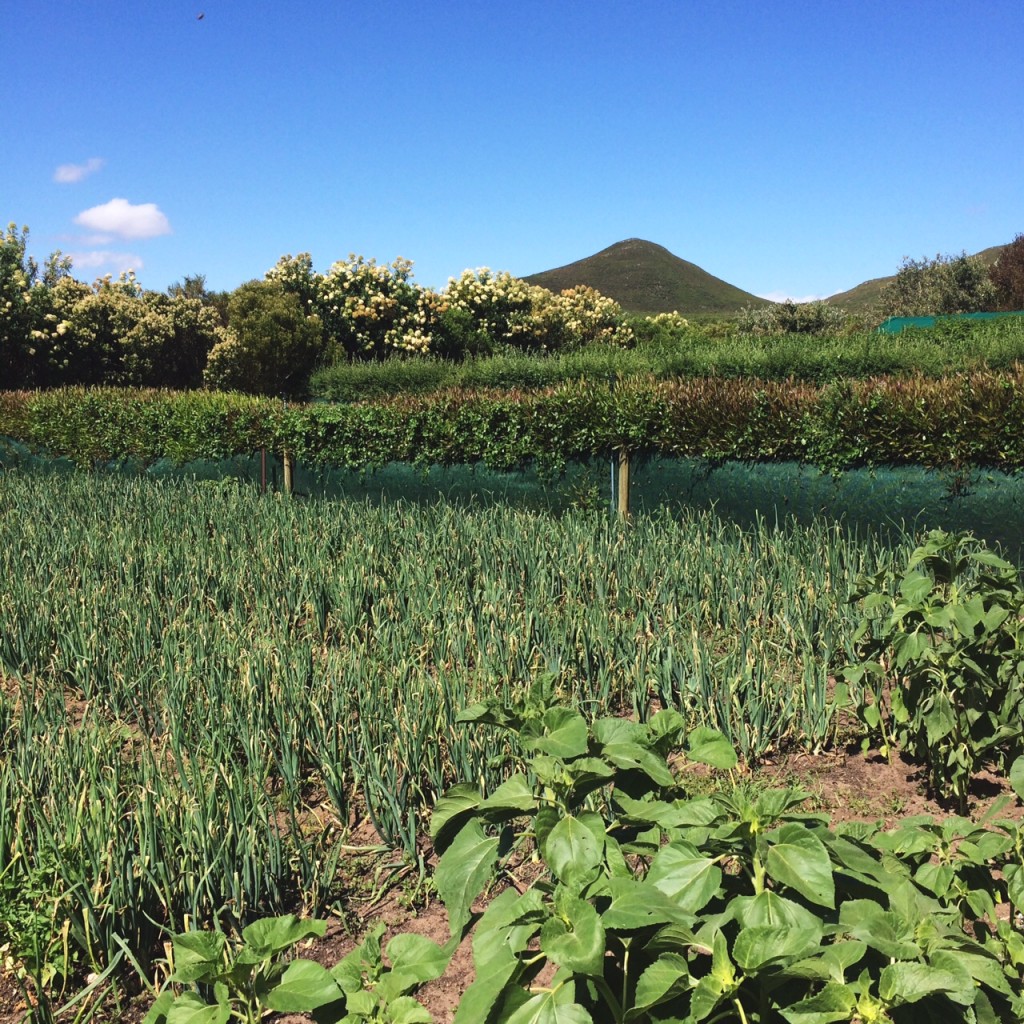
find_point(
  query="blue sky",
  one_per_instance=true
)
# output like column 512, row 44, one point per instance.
column 791, row 148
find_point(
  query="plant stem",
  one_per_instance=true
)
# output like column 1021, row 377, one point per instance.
column 739, row 1009
column 613, row 1004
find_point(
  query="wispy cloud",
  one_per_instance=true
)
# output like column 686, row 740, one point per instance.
column 117, row 262
column 125, row 220
column 68, row 174
column 787, row 297
column 104, row 260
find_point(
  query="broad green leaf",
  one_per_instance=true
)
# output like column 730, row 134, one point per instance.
column 831, row 964
column 770, row 910
column 667, row 815
column 508, row 924
column 940, row 721
column 981, row 966
column 546, row 818
column 619, row 730
column 359, row 1004
column 512, row 798
column 1015, row 885
column 190, row 1009
column 939, row 617
column 798, row 858
column 503, row 969
column 158, row 1011
column 755, row 948
column 967, row 616
column 706, row 997
column 1017, row 776
column 667, row 729
column 415, row 960
column 575, row 937
column 416, row 954
column 909, row 647
column 854, row 858
column 451, row 812
column 985, row 557
column 304, row 986
column 887, row 932
column 710, row 747
column 266, row 938
column 916, row 587
column 364, row 958
column 545, row 1008
column 685, row 875
column 587, row 774
column 909, row 838
column 635, row 905
column 908, row 982
column 565, row 734
column 666, row 978
column 463, row 871
column 198, row 956
column 406, row 1010
column 572, row 853
column 486, row 712
column 722, row 968
column 835, row 1002
column 630, row 756
column 995, row 617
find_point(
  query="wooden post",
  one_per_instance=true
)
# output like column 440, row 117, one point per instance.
column 289, row 472
column 622, row 498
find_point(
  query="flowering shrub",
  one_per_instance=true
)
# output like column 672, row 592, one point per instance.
column 792, row 318
column 367, row 310
column 673, row 321
column 501, row 306
column 528, row 317
column 28, row 320
column 588, row 316
column 55, row 330
column 374, row 309
column 115, row 333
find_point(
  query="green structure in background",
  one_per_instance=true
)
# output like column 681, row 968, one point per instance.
column 880, row 499
column 898, row 324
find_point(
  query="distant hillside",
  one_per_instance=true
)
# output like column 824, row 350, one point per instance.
column 646, row 278
column 865, row 296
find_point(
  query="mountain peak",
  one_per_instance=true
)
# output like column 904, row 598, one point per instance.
column 644, row 277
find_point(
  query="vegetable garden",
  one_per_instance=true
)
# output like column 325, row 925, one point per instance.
column 207, row 690
column 219, row 708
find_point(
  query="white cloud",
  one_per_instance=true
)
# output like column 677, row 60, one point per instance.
column 125, row 220
column 68, row 174
column 787, row 297
column 116, row 262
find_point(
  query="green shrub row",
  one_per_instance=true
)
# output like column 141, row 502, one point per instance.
column 950, row 347
column 965, row 419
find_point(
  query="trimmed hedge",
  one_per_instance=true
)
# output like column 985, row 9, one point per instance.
column 957, row 347
column 971, row 419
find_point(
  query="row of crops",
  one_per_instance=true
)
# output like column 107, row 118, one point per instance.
column 203, row 690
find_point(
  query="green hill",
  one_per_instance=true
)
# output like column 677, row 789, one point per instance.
column 865, row 296
column 646, row 278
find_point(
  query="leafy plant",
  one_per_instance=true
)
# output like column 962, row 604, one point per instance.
column 737, row 907
column 244, row 980
column 941, row 661
column 34, row 922
column 241, row 979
